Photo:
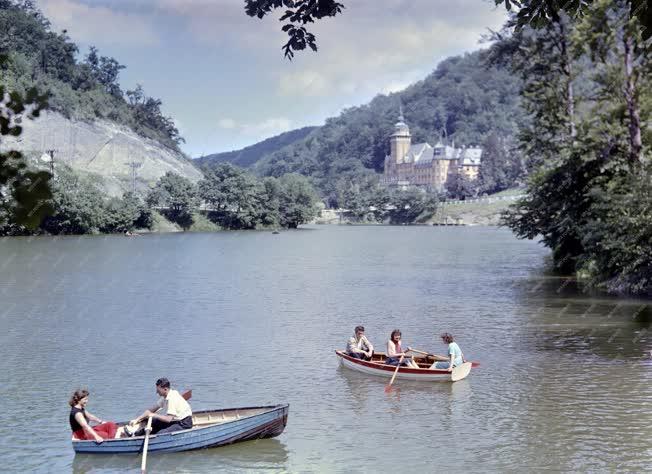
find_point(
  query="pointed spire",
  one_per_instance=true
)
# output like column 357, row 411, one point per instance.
column 400, row 113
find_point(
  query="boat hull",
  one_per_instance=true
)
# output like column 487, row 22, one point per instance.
column 264, row 422
column 404, row 373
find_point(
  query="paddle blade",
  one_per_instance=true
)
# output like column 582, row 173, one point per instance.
column 475, row 364
column 388, row 388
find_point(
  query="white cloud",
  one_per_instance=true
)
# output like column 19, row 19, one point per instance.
column 221, row 23
column 227, row 123
column 371, row 49
column 99, row 24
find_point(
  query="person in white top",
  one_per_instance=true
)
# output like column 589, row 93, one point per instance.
column 394, row 352
column 359, row 346
column 177, row 412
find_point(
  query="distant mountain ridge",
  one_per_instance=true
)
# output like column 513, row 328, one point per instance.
column 248, row 156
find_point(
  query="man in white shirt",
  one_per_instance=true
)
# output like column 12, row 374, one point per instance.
column 359, row 346
column 177, row 412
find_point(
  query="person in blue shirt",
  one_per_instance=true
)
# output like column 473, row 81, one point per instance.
column 456, row 358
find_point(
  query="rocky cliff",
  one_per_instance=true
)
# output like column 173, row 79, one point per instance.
column 101, row 147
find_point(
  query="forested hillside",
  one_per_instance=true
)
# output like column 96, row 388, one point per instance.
column 87, row 89
column 248, row 156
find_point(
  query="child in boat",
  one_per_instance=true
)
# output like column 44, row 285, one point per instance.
column 394, row 352
column 79, row 419
column 454, row 353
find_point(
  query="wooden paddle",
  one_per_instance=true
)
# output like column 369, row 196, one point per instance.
column 442, row 358
column 388, row 388
column 148, row 430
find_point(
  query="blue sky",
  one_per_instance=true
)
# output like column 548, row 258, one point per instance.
column 223, row 78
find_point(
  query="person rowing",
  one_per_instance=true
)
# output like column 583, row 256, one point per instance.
column 359, row 346
column 79, row 420
column 178, row 414
column 455, row 355
column 395, row 352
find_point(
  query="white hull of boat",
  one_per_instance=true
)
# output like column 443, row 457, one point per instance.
column 405, row 373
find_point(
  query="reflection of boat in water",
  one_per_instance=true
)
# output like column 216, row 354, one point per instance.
column 250, row 456
column 210, row 429
column 377, row 366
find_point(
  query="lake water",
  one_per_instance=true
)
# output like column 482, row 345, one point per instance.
column 252, row 318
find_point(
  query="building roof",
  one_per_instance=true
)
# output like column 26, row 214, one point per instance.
column 400, row 127
column 471, row 156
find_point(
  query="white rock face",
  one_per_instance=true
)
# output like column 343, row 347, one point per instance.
column 100, row 147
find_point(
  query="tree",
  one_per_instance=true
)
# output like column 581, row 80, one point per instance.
column 270, row 204
column 410, row 206
column 588, row 199
column 543, row 60
column 176, row 196
column 297, row 200
column 24, row 193
column 78, row 205
column 458, row 186
column 147, row 114
column 126, row 214
column 541, row 13
column 501, row 165
column 297, row 13
column 234, row 195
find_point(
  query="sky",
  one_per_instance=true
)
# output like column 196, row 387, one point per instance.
column 222, row 76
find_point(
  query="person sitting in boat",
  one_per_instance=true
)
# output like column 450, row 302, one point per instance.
column 359, row 346
column 456, row 358
column 80, row 418
column 178, row 414
column 394, row 352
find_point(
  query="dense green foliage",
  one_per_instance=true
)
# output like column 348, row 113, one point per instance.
column 297, row 13
column 81, row 207
column 24, row 193
column 239, row 200
column 88, row 89
column 176, row 198
column 541, row 13
column 587, row 90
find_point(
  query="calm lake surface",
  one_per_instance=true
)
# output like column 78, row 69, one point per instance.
column 252, row 318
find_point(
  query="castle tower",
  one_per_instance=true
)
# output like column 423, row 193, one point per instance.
column 400, row 140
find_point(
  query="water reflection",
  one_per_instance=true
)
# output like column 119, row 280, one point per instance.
column 264, row 454
column 594, row 325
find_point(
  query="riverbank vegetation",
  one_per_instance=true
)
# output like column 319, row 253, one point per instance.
column 586, row 89
column 228, row 198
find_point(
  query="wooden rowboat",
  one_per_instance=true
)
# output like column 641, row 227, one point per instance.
column 377, row 366
column 210, row 429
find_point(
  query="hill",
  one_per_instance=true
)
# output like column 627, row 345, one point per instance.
column 464, row 100
column 93, row 124
column 248, row 156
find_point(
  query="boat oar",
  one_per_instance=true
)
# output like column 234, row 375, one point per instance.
column 148, row 430
column 442, row 358
column 388, row 388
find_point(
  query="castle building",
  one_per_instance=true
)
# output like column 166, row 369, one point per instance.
column 424, row 165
